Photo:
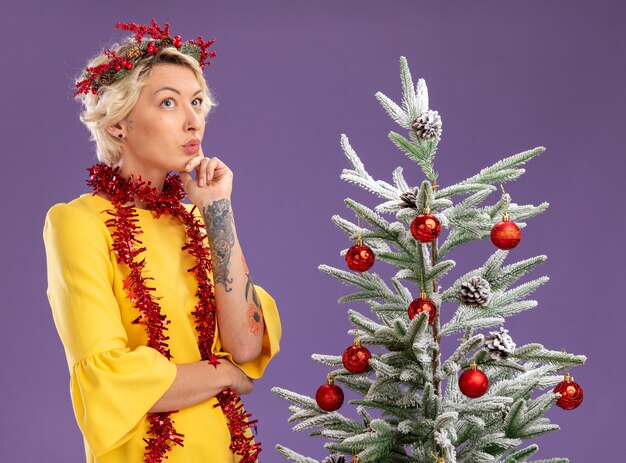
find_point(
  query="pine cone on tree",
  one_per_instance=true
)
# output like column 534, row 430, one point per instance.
column 428, row 125
column 408, row 199
column 475, row 292
column 334, row 459
column 499, row 344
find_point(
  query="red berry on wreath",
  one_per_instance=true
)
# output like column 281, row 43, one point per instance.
column 473, row 382
column 356, row 358
column 425, row 227
column 329, row 396
column 360, row 257
column 423, row 304
column 571, row 393
column 506, row 234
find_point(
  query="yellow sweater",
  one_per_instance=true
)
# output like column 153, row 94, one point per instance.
column 114, row 377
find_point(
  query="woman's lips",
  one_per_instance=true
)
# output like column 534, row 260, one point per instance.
column 192, row 148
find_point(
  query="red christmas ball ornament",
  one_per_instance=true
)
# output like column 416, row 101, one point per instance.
column 571, row 393
column 329, row 396
column 360, row 257
column 356, row 358
column 425, row 227
column 473, row 382
column 506, row 234
column 423, row 304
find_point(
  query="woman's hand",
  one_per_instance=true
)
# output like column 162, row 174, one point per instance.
column 197, row 382
column 214, row 180
column 237, row 379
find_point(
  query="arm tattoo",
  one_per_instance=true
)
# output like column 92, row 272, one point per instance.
column 255, row 320
column 218, row 220
column 255, row 311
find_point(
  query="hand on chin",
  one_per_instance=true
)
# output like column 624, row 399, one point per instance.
column 213, row 180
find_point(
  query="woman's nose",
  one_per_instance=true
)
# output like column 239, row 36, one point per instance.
column 193, row 118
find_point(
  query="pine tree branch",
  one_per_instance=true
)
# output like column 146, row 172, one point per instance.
column 394, row 233
column 295, row 398
column 372, row 445
column 395, row 112
column 399, row 180
column 410, row 103
column 488, row 442
column 501, row 300
column 361, row 177
column 460, row 189
column 500, row 278
column 366, row 324
column 329, row 360
column 421, row 94
column 421, row 152
column 360, row 384
column 373, row 285
column 294, row 456
column 522, row 384
column 521, row 455
column 517, row 212
column 389, row 407
column 506, row 169
column 329, row 420
column 451, row 365
column 458, row 237
column 375, row 239
column 537, row 353
column 470, row 317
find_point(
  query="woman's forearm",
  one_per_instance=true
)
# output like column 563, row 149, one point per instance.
column 239, row 311
column 195, row 383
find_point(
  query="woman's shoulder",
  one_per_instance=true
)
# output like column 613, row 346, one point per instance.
column 86, row 213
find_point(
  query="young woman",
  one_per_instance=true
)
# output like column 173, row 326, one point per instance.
column 153, row 301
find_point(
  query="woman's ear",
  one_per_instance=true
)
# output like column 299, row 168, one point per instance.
column 117, row 130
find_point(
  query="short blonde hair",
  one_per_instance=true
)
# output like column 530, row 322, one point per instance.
column 113, row 102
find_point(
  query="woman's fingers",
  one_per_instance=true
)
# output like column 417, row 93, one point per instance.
column 207, row 170
column 212, row 166
column 237, row 379
column 194, row 162
column 201, row 172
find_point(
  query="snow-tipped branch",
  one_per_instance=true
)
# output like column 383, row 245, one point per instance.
column 294, row 456
column 504, row 170
column 420, row 151
column 537, row 353
column 361, row 177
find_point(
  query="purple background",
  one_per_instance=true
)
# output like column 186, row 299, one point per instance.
column 290, row 78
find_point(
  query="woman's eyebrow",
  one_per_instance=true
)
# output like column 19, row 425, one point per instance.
column 174, row 90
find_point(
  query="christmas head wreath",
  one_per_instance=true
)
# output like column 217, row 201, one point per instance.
column 119, row 66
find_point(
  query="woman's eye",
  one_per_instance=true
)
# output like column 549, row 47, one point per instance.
column 199, row 100
column 165, row 102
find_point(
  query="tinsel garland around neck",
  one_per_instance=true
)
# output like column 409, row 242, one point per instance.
column 124, row 229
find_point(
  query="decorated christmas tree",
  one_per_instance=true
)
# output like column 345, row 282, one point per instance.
column 488, row 398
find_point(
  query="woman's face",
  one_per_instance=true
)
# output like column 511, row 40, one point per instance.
column 167, row 116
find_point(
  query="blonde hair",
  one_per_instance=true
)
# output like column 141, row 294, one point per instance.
column 114, row 102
